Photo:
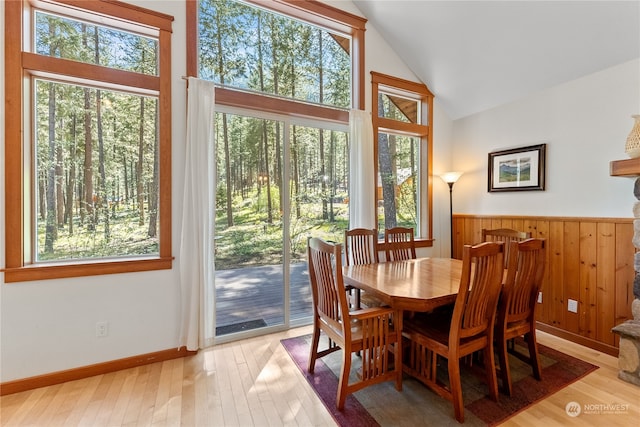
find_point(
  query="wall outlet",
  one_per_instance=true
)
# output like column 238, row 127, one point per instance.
column 102, row 329
column 539, row 297
column 572, row 306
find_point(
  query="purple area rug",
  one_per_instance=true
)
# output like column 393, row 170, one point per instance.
column 559, row 370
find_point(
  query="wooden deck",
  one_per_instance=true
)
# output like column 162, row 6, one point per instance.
column 257, row 293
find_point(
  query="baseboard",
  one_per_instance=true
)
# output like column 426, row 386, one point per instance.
column 578, row 339
column 30, row 383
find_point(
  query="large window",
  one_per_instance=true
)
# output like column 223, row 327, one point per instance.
column 287, row 74
column 402, row 115
column 88, row 139
column 247, row 47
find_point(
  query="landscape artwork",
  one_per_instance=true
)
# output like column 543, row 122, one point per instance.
column 517, row 169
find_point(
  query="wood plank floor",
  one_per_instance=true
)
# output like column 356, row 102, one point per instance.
column 253, row 382
column 257, row 293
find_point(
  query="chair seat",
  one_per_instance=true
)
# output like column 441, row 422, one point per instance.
column 435, row 327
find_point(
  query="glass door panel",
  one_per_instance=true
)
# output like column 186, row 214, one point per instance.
column 319, row 198
column 249, row 264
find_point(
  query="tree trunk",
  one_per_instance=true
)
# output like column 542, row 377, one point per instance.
column 51, row 230
column 125, row 168
column 225, row 137
column 387, row 177
column 325, row 213
column 153, row 191
column 71, row 184
column 265, row 141
column 296, row 173
column 276, row 91
column 87, row 207
column 60, row 187
column 139, row 182
column 102, row 197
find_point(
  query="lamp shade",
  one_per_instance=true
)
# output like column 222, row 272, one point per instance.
column 450, row 177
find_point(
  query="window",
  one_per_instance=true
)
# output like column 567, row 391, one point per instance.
column 88, row 139
column 403, row 152
column 286, row 74
column 295, row 58
column 247, row 47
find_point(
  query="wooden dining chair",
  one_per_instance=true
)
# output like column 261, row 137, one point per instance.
column 516, row 309
column 399, row 244
column 360, row 247
column 371, row 332
column 504, row 235
column 466, row 330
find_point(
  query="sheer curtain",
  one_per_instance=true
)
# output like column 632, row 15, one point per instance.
column 361, row 180
column 198, row 215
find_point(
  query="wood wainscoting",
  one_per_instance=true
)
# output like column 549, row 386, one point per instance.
column 590, row 260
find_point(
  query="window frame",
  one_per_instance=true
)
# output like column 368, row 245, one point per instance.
column 423, row 131
column 312, row 12
column 21, row 66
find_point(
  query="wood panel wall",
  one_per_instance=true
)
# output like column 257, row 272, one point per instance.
column 589, row 260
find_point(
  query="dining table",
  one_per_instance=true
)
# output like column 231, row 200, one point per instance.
column 421, row 284
column 413, row 285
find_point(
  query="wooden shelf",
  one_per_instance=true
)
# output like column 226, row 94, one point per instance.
column 628, row 167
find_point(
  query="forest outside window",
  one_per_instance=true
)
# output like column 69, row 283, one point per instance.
column 402, row 124
column 88, row 188
column 301, row 62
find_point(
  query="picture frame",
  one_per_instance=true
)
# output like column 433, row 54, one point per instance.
column 517, row 169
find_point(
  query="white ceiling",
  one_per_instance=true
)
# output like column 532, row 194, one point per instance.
column 475, row 55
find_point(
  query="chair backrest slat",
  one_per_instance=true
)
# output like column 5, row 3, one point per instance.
column 480, row 284
column 524, row 279
column 327, row 286
column 399, row 243
column 506, row 236
column 360, row 246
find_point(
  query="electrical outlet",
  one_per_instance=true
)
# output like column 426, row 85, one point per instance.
column 102, row 329
column 539, row 297
column 572, row 306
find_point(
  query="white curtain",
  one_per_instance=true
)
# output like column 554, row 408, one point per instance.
column 362, row 185
column 198, row 214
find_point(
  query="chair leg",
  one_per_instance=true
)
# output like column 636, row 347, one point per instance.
column 397, row 363
column 533, row 353
column 343, row 384
column 456, row 389
column 505, row 372
column 313, row 352
column 490, row 369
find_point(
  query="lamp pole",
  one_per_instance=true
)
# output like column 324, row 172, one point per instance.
column 451, row 214
column 450, row 178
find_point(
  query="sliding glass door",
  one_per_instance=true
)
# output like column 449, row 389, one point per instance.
column 277, row 183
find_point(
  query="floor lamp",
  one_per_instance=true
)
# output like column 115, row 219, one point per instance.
column 451, row 178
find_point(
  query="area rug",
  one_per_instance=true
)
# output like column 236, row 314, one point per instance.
column 382, row 405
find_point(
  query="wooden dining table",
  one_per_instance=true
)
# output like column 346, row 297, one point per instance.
column 413, row 285
column 421, row 284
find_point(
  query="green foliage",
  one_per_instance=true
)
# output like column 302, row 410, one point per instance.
column 251, row 241
column 127, row 238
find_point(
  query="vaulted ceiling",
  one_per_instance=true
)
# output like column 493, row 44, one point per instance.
column 475, row 55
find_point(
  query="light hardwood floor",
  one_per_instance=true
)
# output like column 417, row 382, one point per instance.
column 254, row 382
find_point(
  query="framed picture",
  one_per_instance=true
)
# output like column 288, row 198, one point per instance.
column 517, row 169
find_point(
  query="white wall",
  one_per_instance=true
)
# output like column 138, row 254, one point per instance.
column 49, row 326
column 584, row 123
